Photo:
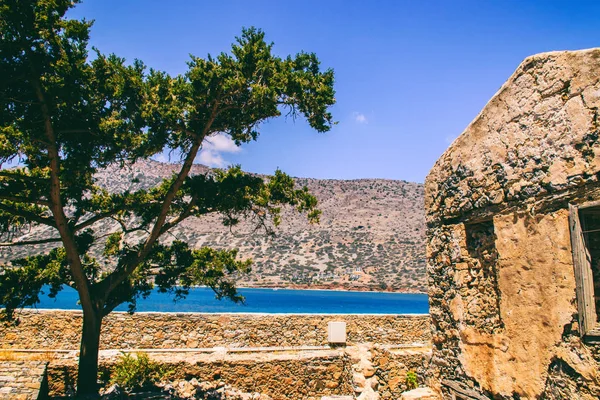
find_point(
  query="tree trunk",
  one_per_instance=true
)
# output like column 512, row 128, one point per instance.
column 87, row 378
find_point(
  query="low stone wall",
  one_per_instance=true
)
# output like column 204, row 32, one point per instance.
column 24, row 380
column 50, row 329
column 365, row 369
column 291, row 377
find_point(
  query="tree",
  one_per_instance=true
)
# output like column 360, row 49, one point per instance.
column 64, row 116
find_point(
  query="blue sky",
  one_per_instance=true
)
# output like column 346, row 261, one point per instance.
column 410, row 75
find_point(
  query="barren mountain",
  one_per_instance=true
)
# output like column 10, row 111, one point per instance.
column 371, row 235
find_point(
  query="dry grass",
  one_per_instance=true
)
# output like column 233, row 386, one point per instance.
column 9, row 355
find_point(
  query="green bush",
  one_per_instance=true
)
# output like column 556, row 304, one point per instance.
column 134, row 372
column 411, row 380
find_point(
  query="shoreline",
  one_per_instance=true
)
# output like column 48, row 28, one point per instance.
column 210, row 313
column 328, row 289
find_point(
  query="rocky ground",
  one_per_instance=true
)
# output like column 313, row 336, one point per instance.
column 371, row 235
column 184, row 389
column 363, row 371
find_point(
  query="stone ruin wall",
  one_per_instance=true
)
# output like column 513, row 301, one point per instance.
column 23, row 380
column 500, row 269
column 282, row 378
column 283, row 375
column 282, row 355
column 52, row 329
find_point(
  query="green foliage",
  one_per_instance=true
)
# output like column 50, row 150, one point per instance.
column 64, row 117
column 136, row 372
column 106, row 111
column 411, row 380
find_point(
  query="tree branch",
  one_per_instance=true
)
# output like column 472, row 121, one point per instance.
column 126, row 230
column 28, row 215
column 96, row 218
column 22, row 177
column 117, row 276
column 30, row 242
column 19, row 199
column 185, row 214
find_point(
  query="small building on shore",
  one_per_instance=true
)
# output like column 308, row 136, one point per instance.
column 513, row 240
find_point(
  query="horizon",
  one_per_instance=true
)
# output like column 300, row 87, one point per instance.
column 295, row 177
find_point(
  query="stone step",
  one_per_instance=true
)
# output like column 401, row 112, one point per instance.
column 422, row 393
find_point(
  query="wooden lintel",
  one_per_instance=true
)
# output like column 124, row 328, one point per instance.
column 464, row 391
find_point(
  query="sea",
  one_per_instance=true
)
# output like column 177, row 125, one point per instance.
column 271, row 301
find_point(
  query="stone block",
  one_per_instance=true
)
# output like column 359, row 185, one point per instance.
column 422, row 393
column 336, row 332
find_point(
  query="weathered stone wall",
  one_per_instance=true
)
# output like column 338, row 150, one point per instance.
column 537, row 137
column 349, row 371
column 293, row 377
column 23, row 380
column 502, row 285
column 45, row 329
column 392, row 366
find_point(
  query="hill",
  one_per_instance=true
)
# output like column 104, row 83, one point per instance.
column 371, row 235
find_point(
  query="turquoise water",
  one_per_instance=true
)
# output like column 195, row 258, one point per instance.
column 269, row 301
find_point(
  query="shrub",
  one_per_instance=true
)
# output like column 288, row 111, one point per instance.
column 134, row 372
column 411, row 380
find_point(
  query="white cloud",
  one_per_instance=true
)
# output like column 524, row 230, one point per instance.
column 221, row 143
column 213, row 147
column 360, row 118
column 162, row 157
column 211, row 159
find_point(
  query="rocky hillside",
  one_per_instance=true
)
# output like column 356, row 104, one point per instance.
column 371, row 235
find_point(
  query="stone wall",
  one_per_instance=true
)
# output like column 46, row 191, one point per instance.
column 500, row 269
column 45, row 329
column 290, row 376
column 366, row 369
column 23, row 380
column 392, row 366
column 265, row 350
column 537, row 137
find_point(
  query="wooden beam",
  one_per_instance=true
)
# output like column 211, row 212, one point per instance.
column 584, row 279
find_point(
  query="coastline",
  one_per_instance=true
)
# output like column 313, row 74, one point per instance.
column 332, row 289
